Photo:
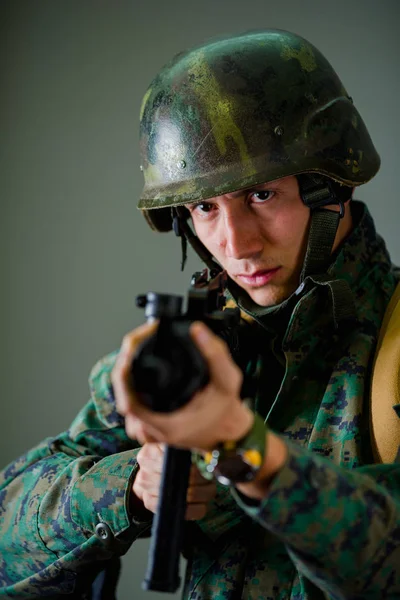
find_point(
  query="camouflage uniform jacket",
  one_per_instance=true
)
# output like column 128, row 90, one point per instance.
column 330, row 525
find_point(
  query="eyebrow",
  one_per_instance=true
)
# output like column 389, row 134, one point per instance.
column 238, row 193
column 235, row 194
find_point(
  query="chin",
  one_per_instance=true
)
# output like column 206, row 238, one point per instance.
column 270, row 296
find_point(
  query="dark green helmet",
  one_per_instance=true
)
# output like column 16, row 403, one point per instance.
column 246, row 110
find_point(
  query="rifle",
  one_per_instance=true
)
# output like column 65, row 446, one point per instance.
column 167, row 371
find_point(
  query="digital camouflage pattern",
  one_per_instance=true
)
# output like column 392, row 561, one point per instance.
column 332, row 519
column 330, row 526
column 53, row 497
column 244, row 110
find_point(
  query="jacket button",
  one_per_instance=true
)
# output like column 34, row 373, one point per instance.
column 103, row 532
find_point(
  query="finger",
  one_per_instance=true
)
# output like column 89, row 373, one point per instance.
column 150, row 502
column 215, row 351
column 210, row 344
column 152, row 451
column 203, row 493
column 136, row 337
column 121, row 373
column 130, row 345
column 132, row 428
column 151, row 457
column 194, row 512
column 123, row 391
column 140, row 431
column 146, row 483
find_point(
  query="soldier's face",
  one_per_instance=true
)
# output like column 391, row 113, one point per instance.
column 259, row 236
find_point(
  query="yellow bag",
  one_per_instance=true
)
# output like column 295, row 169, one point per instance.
column 385, row 386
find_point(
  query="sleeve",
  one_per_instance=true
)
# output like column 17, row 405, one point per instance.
column 341, row 528
column 64, row 505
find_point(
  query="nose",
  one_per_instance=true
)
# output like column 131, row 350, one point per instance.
column 241, row 237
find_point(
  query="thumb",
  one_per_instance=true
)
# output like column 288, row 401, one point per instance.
column 215, row 351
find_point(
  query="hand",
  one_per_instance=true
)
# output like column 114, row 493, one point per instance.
column 214, row 414
column 146, row 485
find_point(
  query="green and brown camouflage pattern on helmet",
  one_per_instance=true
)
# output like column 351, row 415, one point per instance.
column 330, row 524
column 245, row 110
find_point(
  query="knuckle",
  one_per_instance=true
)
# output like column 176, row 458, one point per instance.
column 161, row 448
column 152, row 504
column 157, row 454
column 138, row 481
column 143, row 453
column 147, row 500
column 141, row 461
column 131, row 427
column 145, row 477
column 136, row 484
column 127, row 341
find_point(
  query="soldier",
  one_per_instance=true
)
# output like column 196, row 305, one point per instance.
column 254, row 140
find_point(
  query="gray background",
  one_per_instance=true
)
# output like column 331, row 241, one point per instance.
column 75, row 250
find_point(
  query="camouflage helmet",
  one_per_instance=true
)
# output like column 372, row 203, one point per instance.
column 245, row 110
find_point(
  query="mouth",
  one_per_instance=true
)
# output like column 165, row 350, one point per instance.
column 258, row 278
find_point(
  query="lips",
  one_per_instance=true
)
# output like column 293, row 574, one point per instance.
column 258, row 278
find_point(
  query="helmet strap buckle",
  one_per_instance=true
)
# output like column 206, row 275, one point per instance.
column 317, row 191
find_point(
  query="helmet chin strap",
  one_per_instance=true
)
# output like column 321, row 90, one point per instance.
column 316, row 193
column 183, row 230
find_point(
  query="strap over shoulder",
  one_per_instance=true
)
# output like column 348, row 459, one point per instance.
column 385, row 386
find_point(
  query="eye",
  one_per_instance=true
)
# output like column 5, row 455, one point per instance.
column 201, row 207
column 260, row 196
